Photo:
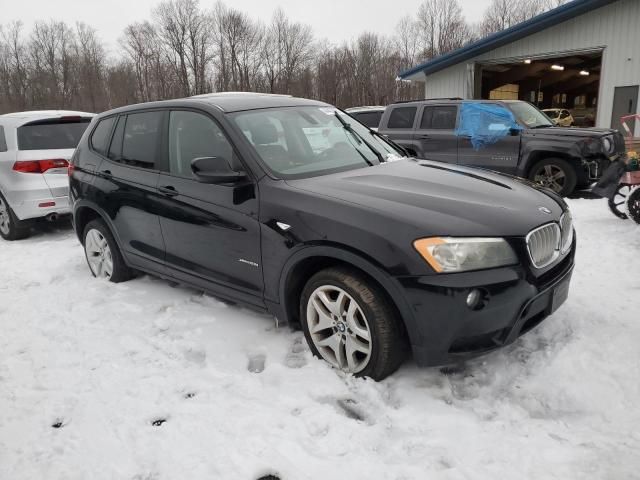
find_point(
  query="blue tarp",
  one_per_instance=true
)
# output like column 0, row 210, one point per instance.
column 484, row 123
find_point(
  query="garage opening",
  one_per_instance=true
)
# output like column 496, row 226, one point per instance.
column 565, row 86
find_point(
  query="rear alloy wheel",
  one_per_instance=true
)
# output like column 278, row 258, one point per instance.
column 618, row 204
column 351, row 325
column 556, row 174
column 103, row 255
column 10, row 227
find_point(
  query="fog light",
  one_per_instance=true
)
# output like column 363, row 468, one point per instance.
column 476, row 299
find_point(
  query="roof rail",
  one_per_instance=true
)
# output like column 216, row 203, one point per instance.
column 428, row 99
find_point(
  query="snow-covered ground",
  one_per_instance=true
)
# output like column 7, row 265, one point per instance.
column 105, row 362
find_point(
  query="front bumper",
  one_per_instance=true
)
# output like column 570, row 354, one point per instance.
column 446, row 330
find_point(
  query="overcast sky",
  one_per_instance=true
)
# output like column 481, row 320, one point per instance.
column 336, row 20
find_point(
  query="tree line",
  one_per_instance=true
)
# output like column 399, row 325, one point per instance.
column 186, row 49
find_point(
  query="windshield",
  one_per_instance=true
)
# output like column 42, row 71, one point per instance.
column 51, row 135
column 530, row 115
column 551, row 113
column 297, row 142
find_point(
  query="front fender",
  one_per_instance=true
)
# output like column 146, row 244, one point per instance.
column 386, row 281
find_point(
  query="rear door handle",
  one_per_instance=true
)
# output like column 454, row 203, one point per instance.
column 106, row 173
column 424, row 137
column 168, row 190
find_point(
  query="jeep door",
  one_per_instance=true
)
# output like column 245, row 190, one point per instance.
column 435, row 134
column 399, row 123
column 502, row 155
column 211, row 231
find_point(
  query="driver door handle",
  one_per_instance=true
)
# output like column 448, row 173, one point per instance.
column 424, row 136
column 168, row 190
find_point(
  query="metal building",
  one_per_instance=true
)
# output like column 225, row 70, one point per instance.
column 583, row 56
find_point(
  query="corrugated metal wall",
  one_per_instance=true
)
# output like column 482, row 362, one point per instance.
column 615, row 27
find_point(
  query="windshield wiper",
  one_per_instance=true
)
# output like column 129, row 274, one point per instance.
column 543, row 126
column 384, row 138
column 358, row 137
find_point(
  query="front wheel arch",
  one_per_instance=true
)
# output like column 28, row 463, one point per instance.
column 310, row 260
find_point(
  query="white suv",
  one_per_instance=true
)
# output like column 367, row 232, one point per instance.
column 35, row 149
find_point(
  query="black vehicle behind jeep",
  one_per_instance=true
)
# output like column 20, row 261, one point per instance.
column 292, row 207
column 562, row 159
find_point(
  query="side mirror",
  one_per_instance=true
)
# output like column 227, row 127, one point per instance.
column 215, row 170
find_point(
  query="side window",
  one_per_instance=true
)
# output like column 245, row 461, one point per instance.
column 3, row 140
column 194, row 135
column 427, row 115
column 444, row 117
column 141, row 138
column 402, row 117
column 101, row 135
column 370, row 119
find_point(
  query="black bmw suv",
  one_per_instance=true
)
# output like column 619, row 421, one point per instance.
column 290, row 206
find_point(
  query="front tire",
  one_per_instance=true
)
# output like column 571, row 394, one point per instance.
column 556, row 174
column 102, row 253
column 10, row 227
column 349, row 322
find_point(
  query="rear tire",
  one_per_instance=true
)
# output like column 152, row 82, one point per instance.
column 11, row 228
column 102, row 253
column 556, row 174
column 349, row 322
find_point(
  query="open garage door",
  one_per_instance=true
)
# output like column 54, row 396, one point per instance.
column 566, row 86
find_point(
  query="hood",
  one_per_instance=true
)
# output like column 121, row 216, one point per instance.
column 441, row 199
column 571, row 132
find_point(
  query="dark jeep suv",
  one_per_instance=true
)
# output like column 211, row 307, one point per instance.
column 292, row 207
column 556, row 157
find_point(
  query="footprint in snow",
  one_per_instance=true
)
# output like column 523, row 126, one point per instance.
column 296, row 356
column 349, row 407
column 158, row 422
column 58, row 423
column 256, row 363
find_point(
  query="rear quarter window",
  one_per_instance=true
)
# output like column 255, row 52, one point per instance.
column 51, row 134
column 402, row 117
column 102, row 135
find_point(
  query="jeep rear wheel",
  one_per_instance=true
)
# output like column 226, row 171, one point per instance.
column 556, row 174
column 350, row 323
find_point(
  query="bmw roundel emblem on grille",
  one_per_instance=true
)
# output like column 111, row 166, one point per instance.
column 545, row 210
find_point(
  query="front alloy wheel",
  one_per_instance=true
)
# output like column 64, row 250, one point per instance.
column 556, row 174
column 339, row 329
column 350, row 322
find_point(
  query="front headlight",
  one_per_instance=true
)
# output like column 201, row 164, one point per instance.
column 607, row 145
column 449, row 254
